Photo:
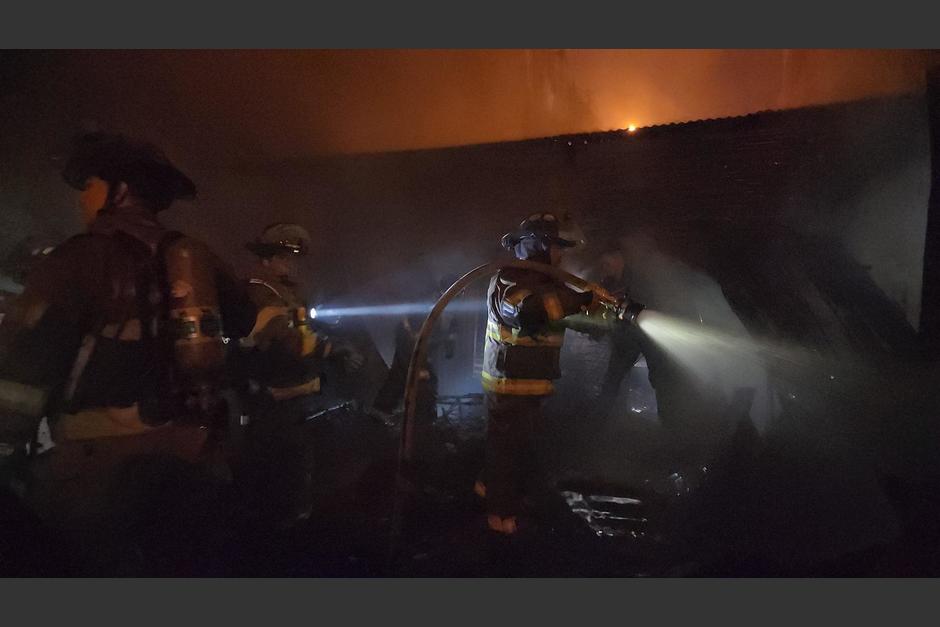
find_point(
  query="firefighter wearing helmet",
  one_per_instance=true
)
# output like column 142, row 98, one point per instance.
column 118, row 337
column 524, row 335
column 282, row 360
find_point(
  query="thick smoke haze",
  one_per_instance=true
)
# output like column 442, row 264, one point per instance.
column 776, row 259
column 257, row 104
column 229, row 118
column 212, row 110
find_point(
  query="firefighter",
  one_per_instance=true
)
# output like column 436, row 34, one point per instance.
column 624, row 349
column 95, row 342
column 283, row 361
column 521, row 353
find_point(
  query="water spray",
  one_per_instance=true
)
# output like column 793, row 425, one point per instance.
column 709, row 352
column 684, row 338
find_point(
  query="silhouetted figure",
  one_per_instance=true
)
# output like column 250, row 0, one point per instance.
column 92, row 331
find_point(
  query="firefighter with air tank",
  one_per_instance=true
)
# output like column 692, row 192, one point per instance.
column 117, row 337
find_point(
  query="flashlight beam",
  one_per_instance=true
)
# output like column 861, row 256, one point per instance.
column 396, row 309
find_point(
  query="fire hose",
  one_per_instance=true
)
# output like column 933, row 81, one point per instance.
column 623, row 309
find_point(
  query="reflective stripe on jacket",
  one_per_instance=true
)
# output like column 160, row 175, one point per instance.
column 282, row 350
column 524, row 334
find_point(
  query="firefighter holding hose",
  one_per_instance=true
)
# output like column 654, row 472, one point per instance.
column 524, row 336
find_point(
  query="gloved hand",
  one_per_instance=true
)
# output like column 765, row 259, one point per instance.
column 599, row 298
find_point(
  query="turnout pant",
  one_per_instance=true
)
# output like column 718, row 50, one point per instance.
column 511, row 466
column 129, row 505
column 280, row 461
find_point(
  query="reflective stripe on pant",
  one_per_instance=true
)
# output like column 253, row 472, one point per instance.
column 511, row 462
column 501, row 386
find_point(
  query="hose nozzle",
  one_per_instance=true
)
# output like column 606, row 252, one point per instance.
column 625, row 310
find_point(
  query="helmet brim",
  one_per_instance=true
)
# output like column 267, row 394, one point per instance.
column 115, row 158
column 262, row 249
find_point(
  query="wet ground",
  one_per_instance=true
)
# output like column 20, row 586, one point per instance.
column 567, row 533
column 753, row 512
column 767, row 510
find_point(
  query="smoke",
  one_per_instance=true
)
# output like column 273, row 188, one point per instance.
column 212, row 110
column 645, row 87
column 246, row 104
column 690, row 319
